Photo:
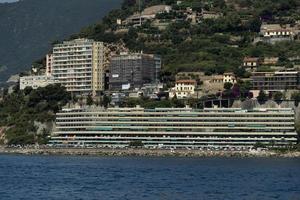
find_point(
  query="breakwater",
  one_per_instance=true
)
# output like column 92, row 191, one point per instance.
column 145, row 152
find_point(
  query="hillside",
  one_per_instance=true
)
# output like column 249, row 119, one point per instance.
column 212, row 45
column 29, row 27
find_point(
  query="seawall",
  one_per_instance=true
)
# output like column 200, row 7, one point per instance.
column 145, row 152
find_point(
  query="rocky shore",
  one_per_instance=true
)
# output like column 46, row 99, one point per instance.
column 145, row 152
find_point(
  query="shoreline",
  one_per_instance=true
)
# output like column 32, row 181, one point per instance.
column 146, row 152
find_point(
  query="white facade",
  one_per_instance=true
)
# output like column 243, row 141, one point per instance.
column 275, row 33
column 229, row 78
column 183, row 89
column 79, row 65
column 175, row 127
column 277, row 30
column 250, row 62
column 36, row 81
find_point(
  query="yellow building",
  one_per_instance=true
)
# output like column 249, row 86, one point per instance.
column 79, row 65
column 100, row 65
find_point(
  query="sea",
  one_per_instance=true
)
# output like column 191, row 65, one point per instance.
column 153, row 178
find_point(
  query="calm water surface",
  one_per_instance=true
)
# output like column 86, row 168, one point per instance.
column 53, row 177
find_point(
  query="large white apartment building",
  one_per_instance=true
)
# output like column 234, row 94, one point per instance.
column 79, row 65
column 175, row 127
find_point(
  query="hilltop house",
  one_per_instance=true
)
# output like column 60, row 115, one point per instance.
column 251, row 63
column 270, row 61
column 149, row 13
column 216, row 79
column 183, row 89
column 229, row 78
column 272, row 33
column 208, row 84
column 210, row 14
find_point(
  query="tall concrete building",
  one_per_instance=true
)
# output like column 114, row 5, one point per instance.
column 79, row 65
column 49, row 62
column 129, row 71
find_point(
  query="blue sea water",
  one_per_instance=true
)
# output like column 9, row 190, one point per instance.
column 68, row 177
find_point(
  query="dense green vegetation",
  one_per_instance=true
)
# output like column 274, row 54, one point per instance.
column 21, row 110
column 136, row 144
column 28, row 28
column 213, row 45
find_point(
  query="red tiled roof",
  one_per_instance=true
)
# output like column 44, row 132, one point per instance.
column 251, row 59
column 186, row 81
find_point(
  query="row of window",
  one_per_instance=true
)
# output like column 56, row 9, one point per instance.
column 157, row 120
column 229, row 136
column 175, row 143
column 182, row 129
column 182, row 125
column 154, row 115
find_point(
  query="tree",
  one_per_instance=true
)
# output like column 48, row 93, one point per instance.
column 5, row 92
column 27, row 90
column 228, row 85
column 262, row 97
column 282, row 57
column 254, row 24
column 128, row 3
column 177, row 103
column 240, row 72
column 297, row 126
column 199, row 82
column 219, row 3
column 105, row 101
column 197, row 6
column 89, row 100
column 136, row 143
column 278, row 97
column 245, row 87
column 22, row 109
column 192, row 102
column 16, row 88
column 259, row 145
column 236, row 91
column 296, row 97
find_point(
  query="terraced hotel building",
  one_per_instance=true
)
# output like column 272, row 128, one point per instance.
column 174, row 127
